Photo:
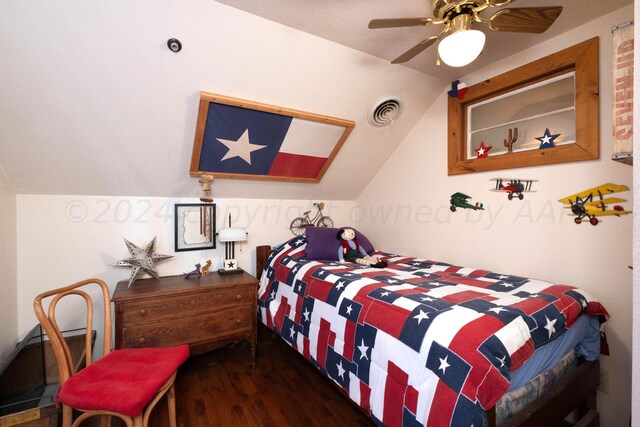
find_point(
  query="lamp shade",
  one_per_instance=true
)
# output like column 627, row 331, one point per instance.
column 232, row 234
column 461, row 48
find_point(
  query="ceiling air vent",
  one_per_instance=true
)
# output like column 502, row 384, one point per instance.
column 386, row 110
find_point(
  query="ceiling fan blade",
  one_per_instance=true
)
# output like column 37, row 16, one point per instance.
column 415, row 50
column 524, row 19
column 399, row 22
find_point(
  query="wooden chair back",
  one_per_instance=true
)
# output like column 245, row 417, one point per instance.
column 47, row 319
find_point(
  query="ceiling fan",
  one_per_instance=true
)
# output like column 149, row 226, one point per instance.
column 462, row 44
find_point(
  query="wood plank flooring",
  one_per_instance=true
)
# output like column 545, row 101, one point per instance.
column 221, row 389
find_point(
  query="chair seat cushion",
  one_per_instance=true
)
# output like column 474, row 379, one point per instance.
column 124, row 381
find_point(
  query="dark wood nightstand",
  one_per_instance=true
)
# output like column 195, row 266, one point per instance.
column 206, row 312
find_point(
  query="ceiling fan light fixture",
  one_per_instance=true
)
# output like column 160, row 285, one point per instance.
column 461, row 48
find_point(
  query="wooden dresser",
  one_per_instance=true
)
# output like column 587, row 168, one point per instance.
column 206, row 312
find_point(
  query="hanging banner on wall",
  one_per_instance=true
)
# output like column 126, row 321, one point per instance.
column 623, row 92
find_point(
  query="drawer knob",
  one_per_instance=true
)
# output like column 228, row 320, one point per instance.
column 238, row 321
column 238, row 297
column 141, row 340
column 142, row 312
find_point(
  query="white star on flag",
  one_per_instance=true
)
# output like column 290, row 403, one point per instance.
column 497, row 310
column 292, row 332
column 341, row 370
column 340, row 285
column 349, row 308
column 306, row 314
column 549, row 326
column 421, row 316
column 426, row 299
column 502, row 360
column 363, row 350
column 241, row 148
column 384, row 294
column 443, row 364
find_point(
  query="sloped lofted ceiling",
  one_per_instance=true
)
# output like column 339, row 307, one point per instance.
column 345, row 22
column 95, row 104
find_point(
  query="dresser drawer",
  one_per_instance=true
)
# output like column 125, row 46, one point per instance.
column 190, row 329
column 194, row 304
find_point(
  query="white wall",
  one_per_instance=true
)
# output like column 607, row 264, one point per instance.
column 406, row 207
column 96, row 81
column 64, row 239
column 8, row 285
column 635, row 394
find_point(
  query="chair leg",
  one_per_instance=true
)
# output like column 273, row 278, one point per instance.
column 105, row 421
column 171, row 405
column 137, row 421
column 67, row 416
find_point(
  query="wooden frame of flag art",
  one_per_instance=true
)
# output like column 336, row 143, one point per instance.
column 236, row 138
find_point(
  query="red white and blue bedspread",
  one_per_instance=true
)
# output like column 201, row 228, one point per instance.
column 419, row 342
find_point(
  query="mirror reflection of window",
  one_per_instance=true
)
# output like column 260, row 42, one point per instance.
column 196, row 225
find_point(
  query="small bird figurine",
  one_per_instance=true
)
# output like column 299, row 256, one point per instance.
column 195, row 271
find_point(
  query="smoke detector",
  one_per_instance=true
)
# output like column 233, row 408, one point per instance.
column 386, row 110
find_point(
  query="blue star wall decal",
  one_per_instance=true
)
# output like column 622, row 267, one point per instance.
column 547, row 140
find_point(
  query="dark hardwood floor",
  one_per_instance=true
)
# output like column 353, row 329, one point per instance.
column 221, row 389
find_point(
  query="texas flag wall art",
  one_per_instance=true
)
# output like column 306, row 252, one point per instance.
column 243, row 139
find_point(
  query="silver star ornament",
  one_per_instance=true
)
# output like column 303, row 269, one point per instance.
column 142, row 260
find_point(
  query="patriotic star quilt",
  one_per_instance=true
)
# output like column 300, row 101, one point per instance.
column 419, row 343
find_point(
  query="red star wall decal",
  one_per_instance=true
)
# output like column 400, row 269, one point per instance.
column 483, row 151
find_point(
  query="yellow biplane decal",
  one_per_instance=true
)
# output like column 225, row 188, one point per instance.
column 592, row 203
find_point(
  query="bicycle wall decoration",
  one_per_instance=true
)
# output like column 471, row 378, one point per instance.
column 299, row 225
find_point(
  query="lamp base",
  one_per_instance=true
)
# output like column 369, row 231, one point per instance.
column 224, row 272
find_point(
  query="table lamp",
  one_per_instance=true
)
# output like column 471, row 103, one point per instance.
column 230, row 236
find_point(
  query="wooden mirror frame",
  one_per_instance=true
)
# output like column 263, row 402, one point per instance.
column 583, row 60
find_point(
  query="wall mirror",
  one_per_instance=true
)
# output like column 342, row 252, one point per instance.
column 544, row 112
column 194, row 225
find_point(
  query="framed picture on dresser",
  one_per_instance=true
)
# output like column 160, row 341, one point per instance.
column 194, row 226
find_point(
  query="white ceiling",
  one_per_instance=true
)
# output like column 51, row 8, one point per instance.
column 345, row 22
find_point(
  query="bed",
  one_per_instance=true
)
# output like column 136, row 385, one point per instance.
column 421, row 342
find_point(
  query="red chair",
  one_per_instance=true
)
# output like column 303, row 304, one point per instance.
column 124, row 383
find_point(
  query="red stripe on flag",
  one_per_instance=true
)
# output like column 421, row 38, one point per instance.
column 365, row 396
column 296, row 165
column 411, row 400
column 386, row 317
column 283, row 310
column 323, row 342
column 463, row 296
column 319, row 289
column 305, row 348
column 444, row 401
column 298, row 317
column 394, row 391
column 531, row 305
column 349, row 338
column 522, row 355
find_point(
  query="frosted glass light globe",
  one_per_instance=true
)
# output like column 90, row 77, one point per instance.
column 461, row 48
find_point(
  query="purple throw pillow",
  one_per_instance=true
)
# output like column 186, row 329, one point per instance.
column 322, row 243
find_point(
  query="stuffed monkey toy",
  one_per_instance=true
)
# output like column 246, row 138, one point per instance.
column 350, row 250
